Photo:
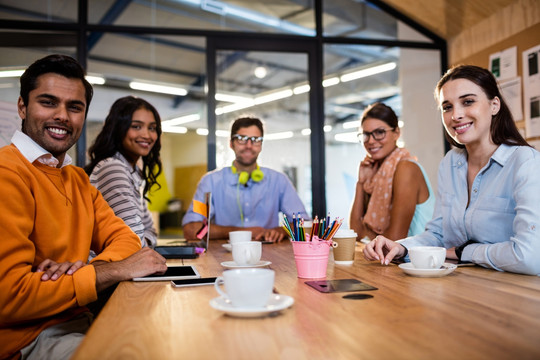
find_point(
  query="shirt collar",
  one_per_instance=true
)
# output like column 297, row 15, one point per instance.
column 500, row 156
column 503, row 153
column 134, row 171
column 32, row 151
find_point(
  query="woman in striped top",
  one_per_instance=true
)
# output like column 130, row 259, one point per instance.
column 125, row 162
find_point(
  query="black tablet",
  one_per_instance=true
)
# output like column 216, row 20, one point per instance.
column 173, row 273
column 177, row 252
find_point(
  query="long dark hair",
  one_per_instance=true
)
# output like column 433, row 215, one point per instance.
column 503, row 128
column 109, row 140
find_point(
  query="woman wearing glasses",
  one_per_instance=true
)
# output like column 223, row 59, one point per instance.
column 393, row 194
column 488, row 203
column 131, row 132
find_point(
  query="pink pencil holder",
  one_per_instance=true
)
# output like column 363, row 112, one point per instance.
column 311, row 258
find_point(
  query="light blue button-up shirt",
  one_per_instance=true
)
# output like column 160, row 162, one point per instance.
column 503, row 214
column 260, row 202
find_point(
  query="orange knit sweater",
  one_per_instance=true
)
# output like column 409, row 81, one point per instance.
column 49, row 213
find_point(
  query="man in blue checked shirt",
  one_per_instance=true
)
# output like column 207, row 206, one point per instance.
column 244, row 195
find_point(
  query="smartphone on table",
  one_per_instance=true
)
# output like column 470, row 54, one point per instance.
column 193, row 282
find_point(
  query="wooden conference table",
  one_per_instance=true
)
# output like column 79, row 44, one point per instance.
column 473, row 313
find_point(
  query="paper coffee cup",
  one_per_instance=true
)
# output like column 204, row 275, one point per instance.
column 344, row 252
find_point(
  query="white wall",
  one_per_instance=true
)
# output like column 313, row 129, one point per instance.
column 423, row 130
column 342, row 160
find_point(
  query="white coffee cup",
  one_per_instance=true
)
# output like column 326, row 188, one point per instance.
column 427, row 257
column 239, row 236
column 246, row 287
column 247, row 253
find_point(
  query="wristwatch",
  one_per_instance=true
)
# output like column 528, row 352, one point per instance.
column 459, row 249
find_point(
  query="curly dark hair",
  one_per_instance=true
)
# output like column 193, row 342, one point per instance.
column 503, row 128
column 109, row 140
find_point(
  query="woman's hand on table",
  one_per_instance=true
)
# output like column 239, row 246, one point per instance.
column 52, row 270
column 383, row 250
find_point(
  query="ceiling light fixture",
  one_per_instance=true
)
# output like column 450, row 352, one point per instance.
column 260, row 72
column 273, row 96
column 231, row 98
column 301, row 89
column 181, row 120
column 330, row 82
column 174, row 129
column 234, row 107
column 223, row 133
column 349, row 137
column 202, row 131
column 159, row 88
column 95, row 79
column 372, row 70
column 11, row 73
column 279, row 136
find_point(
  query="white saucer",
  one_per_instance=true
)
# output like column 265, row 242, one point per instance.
column 227, row 247
column 276, row 303
column 233, row 265
column 409, row 269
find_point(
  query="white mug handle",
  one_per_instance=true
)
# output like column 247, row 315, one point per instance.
column 218, row 282
column 249, row 256
column 432, row 262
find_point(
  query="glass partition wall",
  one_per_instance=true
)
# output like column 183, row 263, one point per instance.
column 274, row 90
column 307, row 68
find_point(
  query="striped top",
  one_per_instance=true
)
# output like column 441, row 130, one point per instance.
column 122, row 187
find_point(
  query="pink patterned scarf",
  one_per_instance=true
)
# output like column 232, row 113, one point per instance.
column 377, row 215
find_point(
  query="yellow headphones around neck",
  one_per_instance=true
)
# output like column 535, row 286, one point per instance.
column 243, row 177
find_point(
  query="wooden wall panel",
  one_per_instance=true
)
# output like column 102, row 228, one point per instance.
column 517, row 18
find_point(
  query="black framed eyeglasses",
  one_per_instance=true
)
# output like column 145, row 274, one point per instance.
column 243, row 139
column 378, row 134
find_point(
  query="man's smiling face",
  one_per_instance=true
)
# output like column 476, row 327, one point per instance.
column 55, row 113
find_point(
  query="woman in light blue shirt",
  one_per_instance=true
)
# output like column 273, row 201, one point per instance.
column 488, row 202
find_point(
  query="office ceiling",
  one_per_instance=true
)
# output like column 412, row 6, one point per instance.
column 180, row 60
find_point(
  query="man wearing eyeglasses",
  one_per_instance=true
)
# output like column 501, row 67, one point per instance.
column 244, row 195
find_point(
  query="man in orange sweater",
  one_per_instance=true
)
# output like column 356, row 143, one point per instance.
column 51, row 218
